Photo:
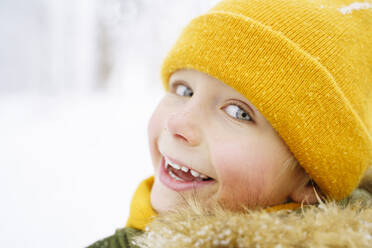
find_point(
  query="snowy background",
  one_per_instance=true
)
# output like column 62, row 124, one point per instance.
column 79, row 80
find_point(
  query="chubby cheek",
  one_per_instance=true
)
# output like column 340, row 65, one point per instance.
column 240, row 173
column 154, row 128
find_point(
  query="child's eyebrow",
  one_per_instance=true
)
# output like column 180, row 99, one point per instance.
column 177, row 80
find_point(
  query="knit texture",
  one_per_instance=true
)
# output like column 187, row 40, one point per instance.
column 307, row 67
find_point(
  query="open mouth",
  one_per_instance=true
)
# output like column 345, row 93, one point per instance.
column 183, row 173
column 180, row 177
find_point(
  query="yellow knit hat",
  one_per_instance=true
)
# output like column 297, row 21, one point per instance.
column 307, row 67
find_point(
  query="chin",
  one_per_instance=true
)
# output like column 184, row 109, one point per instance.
column 164, row 199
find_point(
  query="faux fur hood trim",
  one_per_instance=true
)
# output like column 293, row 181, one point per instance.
column 325, row 225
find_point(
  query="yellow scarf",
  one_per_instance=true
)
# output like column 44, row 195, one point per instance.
column 141, row 212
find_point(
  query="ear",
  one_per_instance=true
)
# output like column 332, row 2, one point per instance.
column 306, row 193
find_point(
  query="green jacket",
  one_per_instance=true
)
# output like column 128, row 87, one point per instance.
column 121, row 239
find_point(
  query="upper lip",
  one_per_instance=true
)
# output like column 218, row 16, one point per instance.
column 182, row 164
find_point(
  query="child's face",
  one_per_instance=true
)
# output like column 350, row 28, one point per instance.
column 205, row 125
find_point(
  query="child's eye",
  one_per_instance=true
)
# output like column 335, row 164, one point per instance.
column 237, row 112
column 183, row 90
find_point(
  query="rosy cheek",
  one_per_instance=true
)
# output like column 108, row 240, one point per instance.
column 155, row 125
column 239, row 172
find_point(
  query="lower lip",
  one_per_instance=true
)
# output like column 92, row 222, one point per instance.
column 173, row 184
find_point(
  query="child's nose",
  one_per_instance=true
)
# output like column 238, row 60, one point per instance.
column 183, row 126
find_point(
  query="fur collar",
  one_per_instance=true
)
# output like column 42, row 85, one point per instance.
column 329, row 224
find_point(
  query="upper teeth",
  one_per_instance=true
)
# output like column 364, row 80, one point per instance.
column 194, row 173
column 183, row 168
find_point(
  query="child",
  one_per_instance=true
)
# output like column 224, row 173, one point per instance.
column 268, row 105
